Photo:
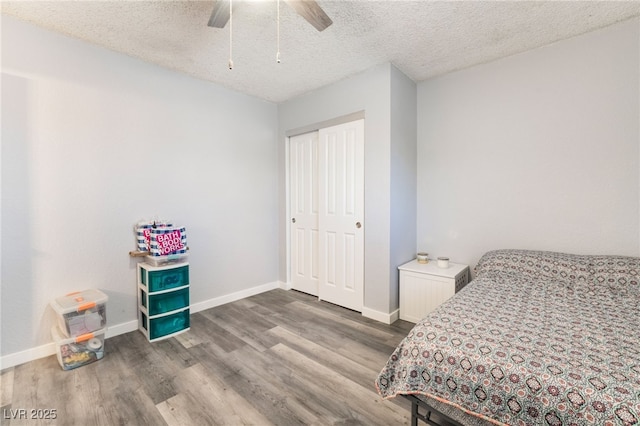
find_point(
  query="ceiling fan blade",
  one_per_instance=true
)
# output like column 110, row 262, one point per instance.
column 312, row 12
column 220, row 14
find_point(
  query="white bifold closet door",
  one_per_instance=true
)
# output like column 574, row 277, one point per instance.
column 327, row 213
column 303, row 196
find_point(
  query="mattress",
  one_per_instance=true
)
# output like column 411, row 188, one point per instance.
column 535, row 338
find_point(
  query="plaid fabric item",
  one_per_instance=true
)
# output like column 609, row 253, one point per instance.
column 167, row 241
column 143, row 232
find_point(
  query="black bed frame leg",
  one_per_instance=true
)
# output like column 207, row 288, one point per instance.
column 414, row 413
column 426, row 417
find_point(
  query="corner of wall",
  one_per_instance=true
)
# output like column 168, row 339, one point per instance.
column 387, row 318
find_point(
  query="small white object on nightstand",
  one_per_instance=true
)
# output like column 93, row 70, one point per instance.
column 424, row 287
column 443, row 262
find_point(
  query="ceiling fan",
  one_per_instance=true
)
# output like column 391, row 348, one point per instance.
column 308, row 9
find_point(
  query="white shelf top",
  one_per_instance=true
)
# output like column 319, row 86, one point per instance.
column 432, row 268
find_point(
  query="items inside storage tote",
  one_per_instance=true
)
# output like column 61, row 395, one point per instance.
column 81, row 312
column 74, row 352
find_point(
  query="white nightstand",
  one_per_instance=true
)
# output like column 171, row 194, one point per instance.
column 423, row 287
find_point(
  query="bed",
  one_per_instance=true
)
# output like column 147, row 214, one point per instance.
column 536, row 338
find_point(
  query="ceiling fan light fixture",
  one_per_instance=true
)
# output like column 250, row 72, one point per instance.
column 308, row 9
column 278, row 32
column 230, row 34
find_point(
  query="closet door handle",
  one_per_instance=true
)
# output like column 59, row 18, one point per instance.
column 358, row 225
column 293, row 220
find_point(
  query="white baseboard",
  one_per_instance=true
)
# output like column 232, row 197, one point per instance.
column 32, row 354
column 284, row 285
column 389, row 318
column 49, row 349
column 118, row 329
column 217, row 301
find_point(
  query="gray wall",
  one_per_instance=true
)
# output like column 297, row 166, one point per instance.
column 370, row 91
column 539, row 151
column 403, row 177
column 93, row 141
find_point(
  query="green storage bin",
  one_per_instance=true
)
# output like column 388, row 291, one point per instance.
column 166, row 302
column 164, row 279
column 169, row 324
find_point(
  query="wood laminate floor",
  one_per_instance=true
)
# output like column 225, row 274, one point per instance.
column 277, row 358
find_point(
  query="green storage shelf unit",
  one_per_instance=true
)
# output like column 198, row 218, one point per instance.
column 163, row 300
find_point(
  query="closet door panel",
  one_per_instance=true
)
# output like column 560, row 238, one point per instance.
column 341, row 214
column 303, row 190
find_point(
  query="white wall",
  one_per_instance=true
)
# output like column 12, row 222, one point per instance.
column 370, row 92
column 93, row 141
column 539, row 151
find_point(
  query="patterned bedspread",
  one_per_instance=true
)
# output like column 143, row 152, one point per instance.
column 536, row 338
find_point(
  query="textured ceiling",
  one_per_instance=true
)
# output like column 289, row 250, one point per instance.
column 422, row 38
